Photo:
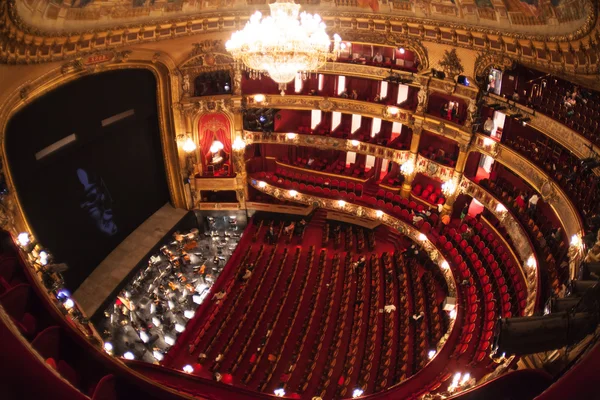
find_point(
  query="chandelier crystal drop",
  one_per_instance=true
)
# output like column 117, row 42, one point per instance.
column 283, row 44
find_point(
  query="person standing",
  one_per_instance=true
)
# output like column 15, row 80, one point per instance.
column 464, row 212
column 532, row 204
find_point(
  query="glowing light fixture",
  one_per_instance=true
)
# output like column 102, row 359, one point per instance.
column 188, row 369
column 379, row 213
column 408, row 167
column 445, row 265
column 262, row 184
column 108, row 347
column 293, row 193
column 500, row 208
column 216, row 146
column 449, row 187
column 402, row 51
column 69, row 304
column 291, row 136
column 354, row 143
column 357, row 393
column 576, row 241
column 189, row 145
column 43, row 257
column 259, row 98
column 452, row 314
column 341, row 203
column 238, row 144
column 422, row 237
column 488, row 141
column 23, row 239
column 531, row 262
column 431, row 354
column 283, row 44
column 279, row 392
column 393, row 110
column 129, row 356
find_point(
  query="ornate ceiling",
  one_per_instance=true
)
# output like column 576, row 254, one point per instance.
column 556, row 17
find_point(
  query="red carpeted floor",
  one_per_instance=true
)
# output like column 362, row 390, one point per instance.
column 308, row 322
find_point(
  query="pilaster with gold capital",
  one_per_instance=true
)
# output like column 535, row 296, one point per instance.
column 416, row 138
column 461, row 161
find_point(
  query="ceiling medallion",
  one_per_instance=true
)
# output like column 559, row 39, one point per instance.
column 283, row 44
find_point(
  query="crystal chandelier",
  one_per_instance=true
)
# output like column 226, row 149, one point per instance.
column 283, row 44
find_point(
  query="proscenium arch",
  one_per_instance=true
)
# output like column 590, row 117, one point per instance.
column 69, row 72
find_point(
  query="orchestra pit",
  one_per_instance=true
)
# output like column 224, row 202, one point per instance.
column 317, row 200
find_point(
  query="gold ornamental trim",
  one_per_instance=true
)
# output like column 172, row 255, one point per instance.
column 160, row 66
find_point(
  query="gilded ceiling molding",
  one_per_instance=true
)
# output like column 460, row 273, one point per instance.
column 489, row 59
column 538, row 179
column 157, row 63
column 369, row 20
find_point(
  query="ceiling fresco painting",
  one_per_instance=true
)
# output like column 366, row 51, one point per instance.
column 536, row 16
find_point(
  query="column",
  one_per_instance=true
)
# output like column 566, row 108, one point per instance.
column 456, row 178
column 239, row 153
column 406, row 169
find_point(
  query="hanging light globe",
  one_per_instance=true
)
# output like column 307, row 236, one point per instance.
column 283, row 44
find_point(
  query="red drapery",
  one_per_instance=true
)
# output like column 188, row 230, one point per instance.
column 211, row 127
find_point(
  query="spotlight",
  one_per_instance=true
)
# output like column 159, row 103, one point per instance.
column 23, row 239
column 129, row 356
column 69, row 304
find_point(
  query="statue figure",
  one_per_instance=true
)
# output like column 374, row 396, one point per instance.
column 237, row 82
column 472, row 111
column 185, row 86
column 422, row 99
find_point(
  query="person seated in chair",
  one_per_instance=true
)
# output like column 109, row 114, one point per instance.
column 289, row 228
column 378, row 58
